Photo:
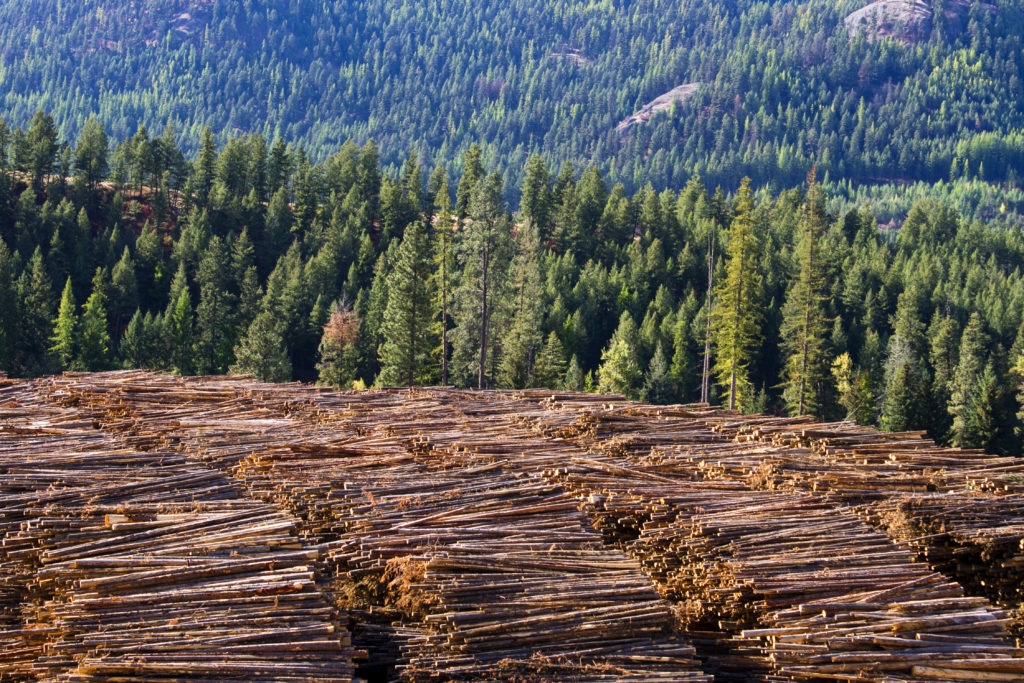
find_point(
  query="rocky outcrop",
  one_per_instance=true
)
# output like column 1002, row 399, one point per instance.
column 660, row 103
column 908, row 21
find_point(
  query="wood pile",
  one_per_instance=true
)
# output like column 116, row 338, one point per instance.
column 537, row 535
column 491, row 568
column 122, row 565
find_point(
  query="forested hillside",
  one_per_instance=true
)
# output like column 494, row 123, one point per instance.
column 933, row 94
column 250, row 258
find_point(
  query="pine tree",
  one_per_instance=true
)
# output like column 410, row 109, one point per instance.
column 406, row 355
column 804, row 325
column 180, row 325
column 214, row 328
column 620, row 372
column 523, row 339
column 35, row 310
column 536, row 204
column 9, row 319
column 43, row 148
column 550, row 368
column 484, row 250
column 91, row 154
column 132, row 348
column 64, row 342
column 966, row 390
column 659, row 388
column 574, row 380
column 94, row 337
column 262, row 352
column 445, row 255
column 943, row 358
column 472, row 174
column 737, row 313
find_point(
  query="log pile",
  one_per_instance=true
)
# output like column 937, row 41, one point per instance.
column 490, row 568
column 122, row 565
column 526, row 535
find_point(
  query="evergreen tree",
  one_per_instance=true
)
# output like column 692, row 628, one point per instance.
column 943, row 334
column 180, row 327
column 406, row 355
column 970, row 428
column 262, row 352
column 94, row 337
column 133, row 347
column 485, row 248
column 803, row 329
column 523, row 338
column 737, row 314
column 472, row 174
column 9, row 319
column 43, row 147
column 536, row 204
column 64, row 342
column 620, row 371
column 91, row 154
column 574, row 379
column 36, row 309
column 550, row 368
column 214, row 329
column 445, row 255
column 659, row 388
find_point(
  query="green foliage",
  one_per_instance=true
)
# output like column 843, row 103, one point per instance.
column 892, row 303
column 64, row 342
column 737, row 313
column 406, row 355
column 262, row 353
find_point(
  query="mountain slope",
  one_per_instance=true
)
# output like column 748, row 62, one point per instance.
column 787, row 83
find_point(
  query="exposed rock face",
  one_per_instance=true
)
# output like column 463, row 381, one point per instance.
column 660, row 103
column 908, row 21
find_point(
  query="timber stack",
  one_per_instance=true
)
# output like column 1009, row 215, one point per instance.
column 458, row 535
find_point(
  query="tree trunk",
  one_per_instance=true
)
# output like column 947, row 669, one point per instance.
column 483, row 317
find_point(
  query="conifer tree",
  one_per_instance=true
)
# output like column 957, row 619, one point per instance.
column 94, row 337
column 91, row 154
column 943, row 359
column 620, row 371
column 659, row 388
column 64, row 342
column 536, row 204
column 574, row 379
column 472, row 174
column 804, row 325
column 406, row 355
column 35, row 311
column 966, row 395
column 523, row 339
column 445, row 262
column 132, row 348
column 9, row 319
column 550, row 368
column 737, row 313
column 262, row 352
column 485, row 249
column 180, row 328
column 214, row 328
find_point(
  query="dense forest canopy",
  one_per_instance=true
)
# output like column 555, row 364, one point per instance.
column 778, row 85
column 249, row 257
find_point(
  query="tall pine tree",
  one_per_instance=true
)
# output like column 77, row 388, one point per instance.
column 737, row 314
column 407, row 354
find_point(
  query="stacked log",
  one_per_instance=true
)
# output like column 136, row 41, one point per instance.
column 448, row 518
column 143, row 566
